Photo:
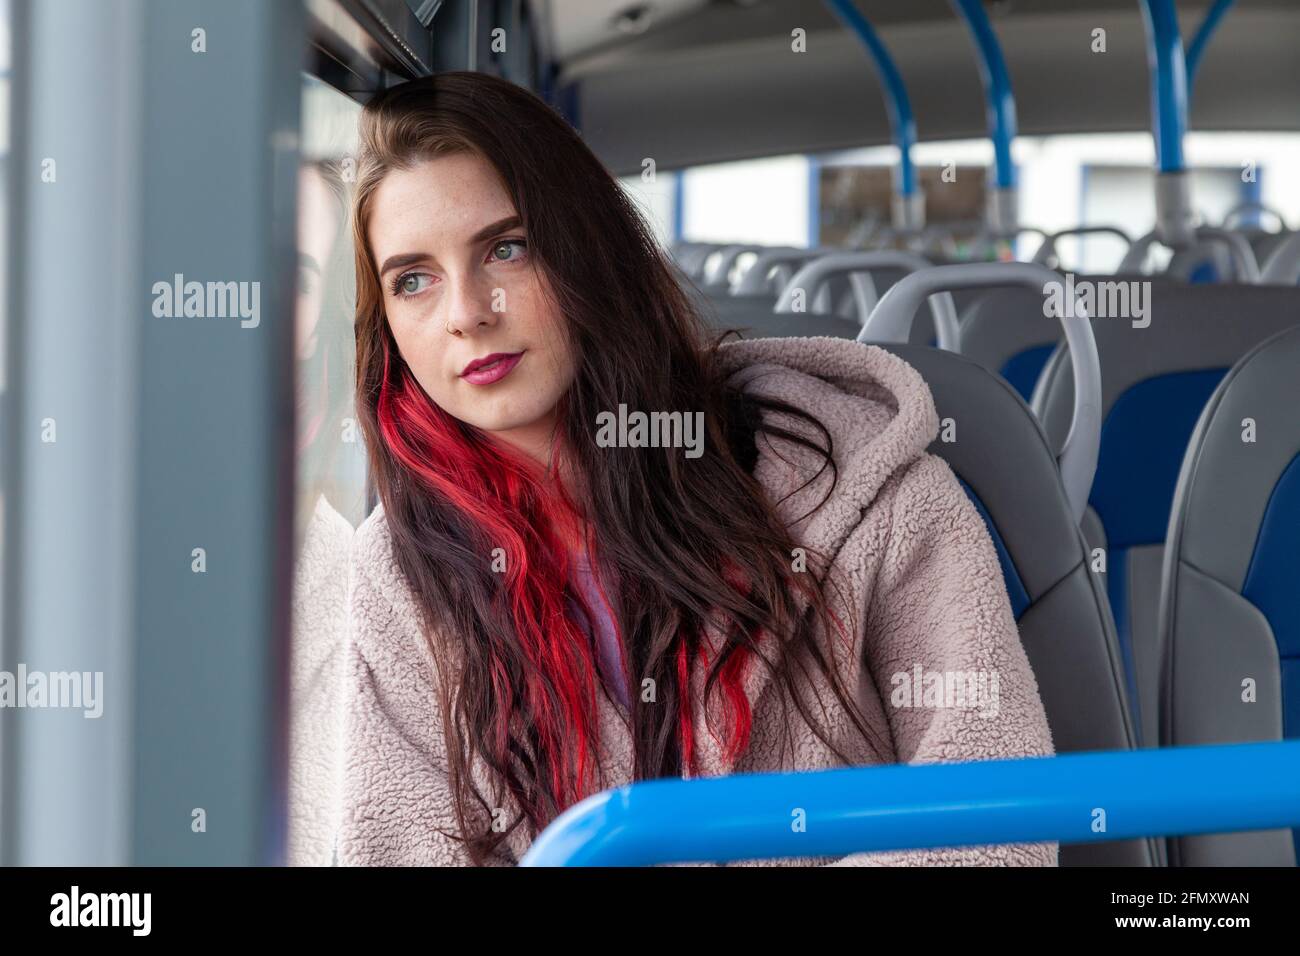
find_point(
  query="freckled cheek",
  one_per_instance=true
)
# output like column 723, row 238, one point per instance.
column 505, row 297
column 423, row 350
column 525, row 301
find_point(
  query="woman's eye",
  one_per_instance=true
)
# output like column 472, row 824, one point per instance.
column 413, row 283
column 508, row 250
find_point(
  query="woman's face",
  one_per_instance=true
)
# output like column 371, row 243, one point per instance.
column 469, row 309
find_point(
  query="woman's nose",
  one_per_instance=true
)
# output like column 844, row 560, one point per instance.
column 471, row 306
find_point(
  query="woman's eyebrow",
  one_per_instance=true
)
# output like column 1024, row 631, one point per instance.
column 487, row 232
column 398, row 261
column 490, row 230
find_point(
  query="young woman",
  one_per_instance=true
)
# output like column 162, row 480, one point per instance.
column 545, row 606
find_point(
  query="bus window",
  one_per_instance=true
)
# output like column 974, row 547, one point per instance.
column 330, row 492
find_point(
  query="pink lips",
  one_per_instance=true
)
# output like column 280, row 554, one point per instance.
column 491, row 368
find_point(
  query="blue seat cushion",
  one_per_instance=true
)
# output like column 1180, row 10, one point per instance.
column 1143, row 441
column 1023, row 368
column 1015, row 586
column 1272, row 584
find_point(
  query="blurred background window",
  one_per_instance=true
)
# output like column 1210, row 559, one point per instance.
column 330, row 488
column 1102, row 179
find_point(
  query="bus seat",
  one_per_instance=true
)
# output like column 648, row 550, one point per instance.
column 720, row 263
column 691, row 256
column 1264, row 244
column 923, row 331
column 772, row 269
column 1003, row 461
column 1155, row 382
column 1229, row 611
column 1203, row 264
column 1008, row 332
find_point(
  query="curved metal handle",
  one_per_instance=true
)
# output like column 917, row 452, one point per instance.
column 691, row 257
column 1138, row 251
column 891, row 321
column 813, row 276
column 1283, row 266
column 716, row 277
column 1243, row 256
column 1236, row 212
column 755, row 279
column 1047, row 251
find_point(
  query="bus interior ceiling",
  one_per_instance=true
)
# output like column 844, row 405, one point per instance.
column 709, row 82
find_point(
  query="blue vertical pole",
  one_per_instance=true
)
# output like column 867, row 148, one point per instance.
column 1168, row 83
column 1252, row 192
column 1000, row 108
column 1175, row 220
column 999, row 101
column 909, row 208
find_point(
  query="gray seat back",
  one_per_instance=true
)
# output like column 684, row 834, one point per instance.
column 1009, row 332
column 923, row 330
column 1156, row 379
column 719, row 264
column 1265, row 243
column 1230, row 605
column 1003, row 460
column 690, row 257
column 772, row 269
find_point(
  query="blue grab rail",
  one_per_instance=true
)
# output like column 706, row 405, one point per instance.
column 1202, row 38
column 1076, row 798
column 899, row 106
column 999, row 101
column 1168, row 83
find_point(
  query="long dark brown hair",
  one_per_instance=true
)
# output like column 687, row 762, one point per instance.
column 684, row 544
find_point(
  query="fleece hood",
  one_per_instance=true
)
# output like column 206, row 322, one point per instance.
column 876, row 408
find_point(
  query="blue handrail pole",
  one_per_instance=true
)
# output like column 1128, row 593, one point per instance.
column 1202, row 38
column 1000, row 106
column 909, row 201
column 679, row 206
column 1175, row 220
column 1076, row 798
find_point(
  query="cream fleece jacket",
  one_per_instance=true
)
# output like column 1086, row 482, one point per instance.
column 922, row 579
column 316, row 677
